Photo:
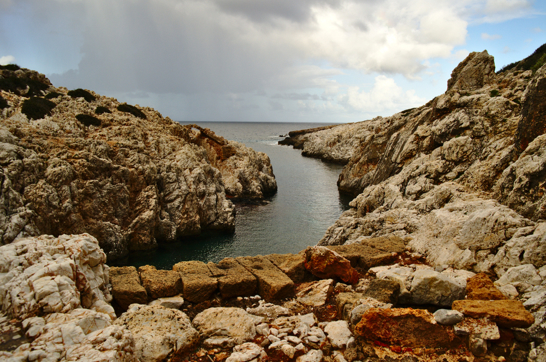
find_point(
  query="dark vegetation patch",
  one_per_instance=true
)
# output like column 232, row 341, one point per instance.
column 127, row 108
column 53, row 95
column 3, row 103
column 10, row 83
column 88, row 120
column 532, row 62
column 12, row 67
column 77, row 93
column 101, row 110
column 36, row 107
column 494, row 93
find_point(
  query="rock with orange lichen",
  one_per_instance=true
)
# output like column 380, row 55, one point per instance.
column 506, row 313
column 325, row 263
column 480, row 287
column 406, row 327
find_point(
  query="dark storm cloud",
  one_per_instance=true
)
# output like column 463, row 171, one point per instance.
column 267, row 10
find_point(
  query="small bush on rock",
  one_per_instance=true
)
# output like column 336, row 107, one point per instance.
column 101, row 110
column 88, row 120
column 52, row 95
column 3, row 103
column 77, row 93
column 494, row 93
column 12, row 67
column 21, row 86
column 36, row 107
column 131, row 109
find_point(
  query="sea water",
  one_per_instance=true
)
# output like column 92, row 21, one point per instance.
column 306, row 204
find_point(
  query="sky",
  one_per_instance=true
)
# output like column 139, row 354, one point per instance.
column 331, row 61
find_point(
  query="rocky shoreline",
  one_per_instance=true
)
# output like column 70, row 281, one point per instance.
column 442, row 256
column 75, row 162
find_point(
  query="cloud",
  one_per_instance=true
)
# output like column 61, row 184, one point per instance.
column 486, row 36
column 537, row 30
column 507, row 50
column 7, row 59
column 385, row 96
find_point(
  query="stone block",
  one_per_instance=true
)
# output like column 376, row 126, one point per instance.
column 198, row 284
column 272, row 282
column 126, row 287
column 292, row 265
column 233, row 279
column 160, row 283
column 506, row 313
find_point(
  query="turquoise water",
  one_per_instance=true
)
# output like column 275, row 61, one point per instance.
column 306, row 204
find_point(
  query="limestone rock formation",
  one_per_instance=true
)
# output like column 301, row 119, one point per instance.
column 53, row 275
column 124, row 174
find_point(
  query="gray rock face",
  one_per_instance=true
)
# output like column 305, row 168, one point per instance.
column 477, row 70
column 128, row 181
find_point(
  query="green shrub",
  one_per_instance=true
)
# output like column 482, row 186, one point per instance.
column 77, row 93
column 494, row 93
column 88, row 120
column 127, row 108
column 52, row 95
column 540, row 62
column 12, row 67
column 36, row 107
column 10, row 83
column 101, row 110
column 3, row 103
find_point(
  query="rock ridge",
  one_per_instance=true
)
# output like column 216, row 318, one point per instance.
column 125, row 174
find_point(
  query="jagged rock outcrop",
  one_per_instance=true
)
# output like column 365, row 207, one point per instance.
column 463, row 176
column 124, row 174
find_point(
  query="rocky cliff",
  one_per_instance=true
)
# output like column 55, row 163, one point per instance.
column 75, row 162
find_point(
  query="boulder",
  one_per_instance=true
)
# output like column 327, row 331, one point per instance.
column 79, row 335
column 50, row 274
column 268, row 310
column 520, row 275
column 315, row 294
column 481, row 327
column 314, row 355
column 198, row 284
column 430, row 287
column 338, row 333
column 480, row 287
column 365, row 304
column 325, row 263
column 448, row 317
column 406, row 327
column 272, row 282
column 383, row 290
column 292, row 265
column 233, row 279
column 170, row 302
column 477, row 70
column 233, row 324
column 247, row 352
column 506, row 313
column 160, row 283
column 159, row 332
column 126, row 287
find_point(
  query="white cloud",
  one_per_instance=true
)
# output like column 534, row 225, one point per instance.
column 385, row 96
column 505, row 6
column 7, row 59
column 537, row 30
column 486, row 36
